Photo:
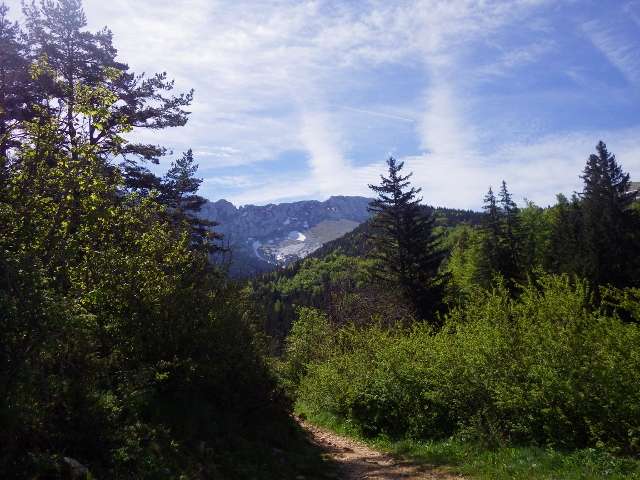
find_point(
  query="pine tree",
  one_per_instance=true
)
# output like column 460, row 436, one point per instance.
column 179, row 192
column 81, row 63
column 509, row 238
column 610, row 248
column 405, row 245
column 14, row 83
column 180, row 184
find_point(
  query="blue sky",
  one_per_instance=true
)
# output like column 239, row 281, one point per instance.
column 306, row 99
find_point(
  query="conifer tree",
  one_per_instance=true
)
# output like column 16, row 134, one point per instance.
column 180, row 184
column 405, row 245
column 566, row 242
column 610, row 244
column 78, row 60
column 14, row 82
column 491, row 239
column 500, row 245
column 179, row 192
column 509, row 241
column 492, row 214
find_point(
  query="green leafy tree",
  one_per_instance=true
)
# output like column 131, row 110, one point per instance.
column 406, row 247
column 467, row 263
column 110, row 320
column 535, row 225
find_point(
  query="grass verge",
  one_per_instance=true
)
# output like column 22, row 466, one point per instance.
column 503, row 463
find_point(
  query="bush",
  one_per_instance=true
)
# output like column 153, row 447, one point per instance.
column 541, row 369
column 310, row 340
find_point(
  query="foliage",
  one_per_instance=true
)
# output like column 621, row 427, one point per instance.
column 310, row 341
column 544, row 369
column 111, row 322
column 609, row 227
column 122, row 348
column 466, row 264
column 84, row 63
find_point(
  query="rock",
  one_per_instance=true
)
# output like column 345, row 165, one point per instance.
column 74, row 470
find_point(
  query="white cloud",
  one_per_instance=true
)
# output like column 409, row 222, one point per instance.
column 278, row 75
column 231, row 181
column 624, row 55
column 328, row 165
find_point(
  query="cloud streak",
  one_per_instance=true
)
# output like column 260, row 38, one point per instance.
column 344, row 83
column 624, row 55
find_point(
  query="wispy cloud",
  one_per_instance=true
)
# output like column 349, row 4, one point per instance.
column 337, row 81
column 390, row 116
column 624, row 55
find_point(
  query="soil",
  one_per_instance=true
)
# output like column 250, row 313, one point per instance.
column 356, row 461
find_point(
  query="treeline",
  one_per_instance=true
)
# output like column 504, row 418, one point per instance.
column 594, row 235
column 124, row 351
column 503, row 244
column 523, row 329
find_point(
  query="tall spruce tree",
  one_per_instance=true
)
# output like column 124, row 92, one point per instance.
column 405, row 245
column 509, row 238
column 610, row 245
column 492, row 213
column 500, row 242
column 491, row 226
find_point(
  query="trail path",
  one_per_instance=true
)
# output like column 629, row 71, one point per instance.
column 356, row 461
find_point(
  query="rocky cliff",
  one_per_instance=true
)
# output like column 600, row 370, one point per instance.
column 265, row 237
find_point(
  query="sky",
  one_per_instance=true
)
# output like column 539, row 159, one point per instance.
column 304, row 99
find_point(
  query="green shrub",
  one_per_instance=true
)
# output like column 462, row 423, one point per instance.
column 310, row 340
column 541, row 369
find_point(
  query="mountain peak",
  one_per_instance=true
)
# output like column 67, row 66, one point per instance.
column 265, row 237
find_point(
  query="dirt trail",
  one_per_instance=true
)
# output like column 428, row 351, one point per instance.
column 358, row 462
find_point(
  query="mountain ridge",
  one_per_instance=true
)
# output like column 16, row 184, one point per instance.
column 266, row 237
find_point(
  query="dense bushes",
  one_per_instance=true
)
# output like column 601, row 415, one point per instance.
column 543, row 369
column 121, row 347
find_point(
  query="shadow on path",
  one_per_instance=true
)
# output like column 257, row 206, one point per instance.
column 356, row 461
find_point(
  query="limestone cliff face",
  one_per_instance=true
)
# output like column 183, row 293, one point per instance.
column 269, row 236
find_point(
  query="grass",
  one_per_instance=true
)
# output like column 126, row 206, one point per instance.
column 503, row 463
